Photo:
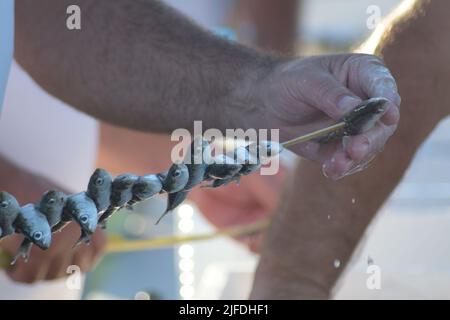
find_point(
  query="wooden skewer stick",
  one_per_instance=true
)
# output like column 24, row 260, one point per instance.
column 315, row 134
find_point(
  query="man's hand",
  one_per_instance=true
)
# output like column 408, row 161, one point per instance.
column 52, row 263
column 303, row 95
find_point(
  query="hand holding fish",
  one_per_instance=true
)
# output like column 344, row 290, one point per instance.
column 303, row 95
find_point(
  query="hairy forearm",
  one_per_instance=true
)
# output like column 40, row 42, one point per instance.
column 318, row 222
column 136, row 63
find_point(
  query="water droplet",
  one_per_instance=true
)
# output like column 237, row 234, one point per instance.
column 142, row 295
column 336, row 263
column 353, row 200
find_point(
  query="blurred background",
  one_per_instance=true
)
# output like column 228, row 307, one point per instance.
column 408, row 240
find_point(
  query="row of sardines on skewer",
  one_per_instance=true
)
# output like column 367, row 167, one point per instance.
column 105, row 196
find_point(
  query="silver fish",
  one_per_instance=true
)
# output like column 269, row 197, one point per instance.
column 360, row 119
column 51, row 206
column 9, row 210
column 121, row 194
column 176, row 179
column 144, row 188
column 82, row 209
column 99, row 189
column 34, row 226
column 199, row 151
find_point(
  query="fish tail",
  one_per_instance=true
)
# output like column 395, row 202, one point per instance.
column 84, row 237
column 23, row 251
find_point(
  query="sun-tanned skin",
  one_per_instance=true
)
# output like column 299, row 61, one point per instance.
column 297, row 258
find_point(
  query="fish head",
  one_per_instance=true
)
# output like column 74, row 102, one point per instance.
column 87, row 222
column 199, row 152
column 365, row 116
column 34, row 226
column 100, row 181
column 52, row 201
column 42, row 237
column 82, row 209
column 176, row 178
column 9, row 207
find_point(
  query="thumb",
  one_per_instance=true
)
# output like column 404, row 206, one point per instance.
column 322, row 91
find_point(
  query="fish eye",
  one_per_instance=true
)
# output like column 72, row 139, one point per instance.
column 176, row 173
column 37, row 235
column 84, row 218
column 51, row 200
column 99, row 181
column 4, row 204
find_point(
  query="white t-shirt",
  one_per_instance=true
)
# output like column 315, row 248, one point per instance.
column 6, row 43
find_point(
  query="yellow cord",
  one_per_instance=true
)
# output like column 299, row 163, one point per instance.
column 119, row 244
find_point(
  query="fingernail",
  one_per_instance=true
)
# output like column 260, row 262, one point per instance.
column 347, row 103
column 392, row 95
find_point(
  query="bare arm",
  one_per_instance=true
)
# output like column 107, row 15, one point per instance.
column 302, row 244
column 134, row 63
column 142, row 65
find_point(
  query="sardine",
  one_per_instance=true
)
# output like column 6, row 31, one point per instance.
column 144, row 188
column 82, row 209
column 34, row 226
column 176, row 179
column 121, row 194
column 99, row 189
column 199, row 151
column 9, row 210
column 359, row 120
column 51, row 206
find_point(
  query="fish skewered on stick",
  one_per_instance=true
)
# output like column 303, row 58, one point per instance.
column 104, row 196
